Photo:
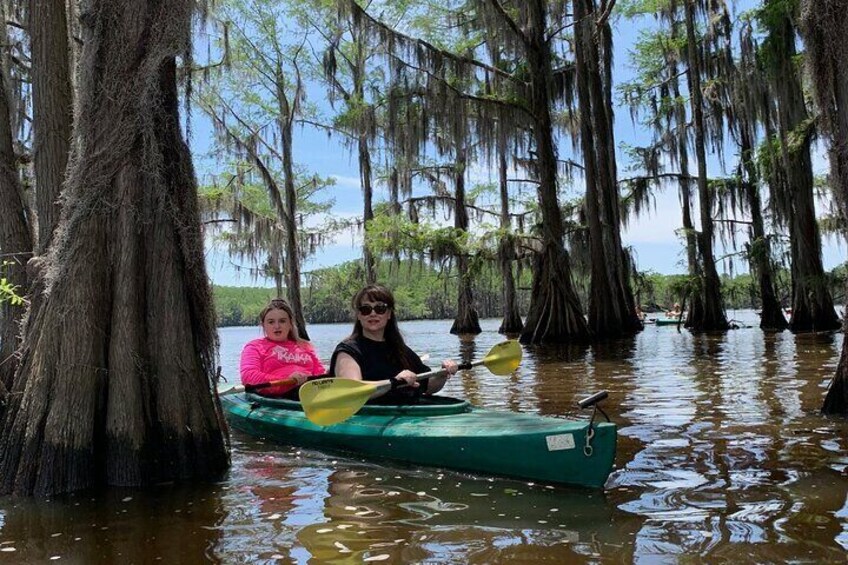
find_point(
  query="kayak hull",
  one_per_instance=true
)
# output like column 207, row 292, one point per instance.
column 668, row 321
column 450, row 434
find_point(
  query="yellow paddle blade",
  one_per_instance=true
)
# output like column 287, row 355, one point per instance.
column 504, row 358
column 330, row 401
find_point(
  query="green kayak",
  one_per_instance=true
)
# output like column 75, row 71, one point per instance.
column 668, row 321
column 444, row 432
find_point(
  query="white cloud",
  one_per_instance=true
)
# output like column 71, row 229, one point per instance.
column 343, row 181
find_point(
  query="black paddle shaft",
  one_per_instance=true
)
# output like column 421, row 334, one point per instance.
column 439, row 372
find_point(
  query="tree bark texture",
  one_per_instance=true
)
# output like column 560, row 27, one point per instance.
column 713, row 317
column 696, row 303
column 122, row 391
column 289, row 214
column 15, row 245
column 812, row 304
column 759, row 250
column 367, row 207
column 365, row 129
column 825, row 28
column 395, row 210
column 612, row 309
column 555, row 315
column 467, row 321
column 511, row 323
column 52, row 110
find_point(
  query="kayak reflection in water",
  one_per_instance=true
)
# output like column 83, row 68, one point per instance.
column 281, row 354
column 375, row 351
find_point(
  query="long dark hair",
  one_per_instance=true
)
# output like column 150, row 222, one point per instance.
column 392, row 335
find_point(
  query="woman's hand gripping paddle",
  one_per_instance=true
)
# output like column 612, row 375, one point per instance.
column 330, row 401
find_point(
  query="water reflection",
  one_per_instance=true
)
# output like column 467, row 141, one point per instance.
column 719, row 419
column 400, row 514
column 169, row 523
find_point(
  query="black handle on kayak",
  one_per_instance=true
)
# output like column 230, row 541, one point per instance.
column 592, row 400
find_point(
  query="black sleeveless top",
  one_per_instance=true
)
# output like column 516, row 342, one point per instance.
column 376, row 364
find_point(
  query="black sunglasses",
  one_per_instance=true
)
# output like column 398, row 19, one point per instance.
column 380, row 308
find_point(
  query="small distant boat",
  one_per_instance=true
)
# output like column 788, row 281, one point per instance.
column 668, row 321
column 446, row 432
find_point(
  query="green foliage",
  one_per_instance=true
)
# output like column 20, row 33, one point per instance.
column 398, row 234
column 428, row 291
column 772, row 13
column 8, row 291
column 776, row 19
column 240, row 306
column 634, row 8
column 739, row 291
column 838, row 282
column 656, row 292
column 422, row 291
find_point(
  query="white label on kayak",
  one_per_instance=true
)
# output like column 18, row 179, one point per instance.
column 560, row 442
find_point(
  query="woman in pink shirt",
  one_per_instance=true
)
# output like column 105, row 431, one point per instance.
column 281, row 354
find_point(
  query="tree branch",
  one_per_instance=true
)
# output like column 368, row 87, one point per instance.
column 606, row 10
column 429, row 46
column 464, row 95
column 676, row 176
column 511, row 24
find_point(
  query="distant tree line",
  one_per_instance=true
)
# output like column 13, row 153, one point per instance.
column 426, row 293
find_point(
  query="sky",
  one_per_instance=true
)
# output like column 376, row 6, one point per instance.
column 652, row 237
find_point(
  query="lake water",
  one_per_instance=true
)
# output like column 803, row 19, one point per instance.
column 722, row 457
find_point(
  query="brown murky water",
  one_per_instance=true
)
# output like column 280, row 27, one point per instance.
column 722, row 457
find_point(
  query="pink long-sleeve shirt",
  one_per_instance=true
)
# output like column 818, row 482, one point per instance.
column 263, row 360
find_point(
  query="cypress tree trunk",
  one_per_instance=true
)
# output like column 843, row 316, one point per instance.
column 759, row 253
column 275, row 258
column 354, row 55
column 358, row 71
column 15, row 245
column 612, row 311
column 466, row 321
column 289, row 214
column 555, row 314
column 712, row 317
column 511, row 323
column 696, row 304
column 395, row 210
column 812, row 304
column 750, row 101
column 52, row 106
column 122, row 392
column 367, row 206
column 695, row 310
column 825, row 27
